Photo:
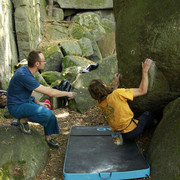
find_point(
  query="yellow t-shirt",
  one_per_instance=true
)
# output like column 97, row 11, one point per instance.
column 117, row 111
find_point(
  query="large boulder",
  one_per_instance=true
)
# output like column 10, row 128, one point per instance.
column 53, row 57
column 86, row 47
column 22, row 156
column 85, row 4
column 8, row 49
column 56, row 32
column 91, row 21
column 51, row 76
column 58, row 14
column 70, row 48
column 28, row 25
column 75, row 61
column 149, row 29
column 105, row 71
column 164, row 150
column 78, row 32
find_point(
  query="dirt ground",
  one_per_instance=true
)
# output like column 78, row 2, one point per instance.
column 66, row 119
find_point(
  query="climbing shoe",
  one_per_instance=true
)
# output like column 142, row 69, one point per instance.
column 117, row 138
column 117, row 141
column 53, row 143
column 24, row 127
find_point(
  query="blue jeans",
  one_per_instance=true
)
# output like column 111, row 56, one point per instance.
column 146, row 120
column 38, row 114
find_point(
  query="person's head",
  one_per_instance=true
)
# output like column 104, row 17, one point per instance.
column 98, row 90
column 36, row 58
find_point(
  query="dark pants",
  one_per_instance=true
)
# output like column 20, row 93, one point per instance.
column 38, row 114
column 146, row 120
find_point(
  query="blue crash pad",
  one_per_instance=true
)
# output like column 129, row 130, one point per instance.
column 92, row 155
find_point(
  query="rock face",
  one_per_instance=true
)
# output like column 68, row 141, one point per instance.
column 8, row 49
column 28, row 24
column 164, row 151
column 22, row 156
column 149, row 29
column 85, row 4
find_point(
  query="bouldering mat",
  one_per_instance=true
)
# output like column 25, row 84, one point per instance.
column 92, row 155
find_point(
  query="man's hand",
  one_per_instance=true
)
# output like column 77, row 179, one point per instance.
column 146, row 65
column 44, row 104
column 71, row 95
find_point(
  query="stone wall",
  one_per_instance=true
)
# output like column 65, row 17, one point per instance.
column 8, row 50
column 85, row 4
column 29, row 18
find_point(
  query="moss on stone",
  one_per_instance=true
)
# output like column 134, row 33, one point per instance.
column 51, row 76
column 89, row 20
column 57, row 32
column 71, row 48
column 75, row 61
column 12, row 170
column 77, row 31
column 108, row 25
column 49, row 50
column 40, row 79
column 57, row 82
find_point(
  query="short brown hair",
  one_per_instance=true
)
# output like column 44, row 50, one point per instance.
column 33, row 57
column 98, row 90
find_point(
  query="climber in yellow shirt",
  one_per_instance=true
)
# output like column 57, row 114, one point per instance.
column 113, row 104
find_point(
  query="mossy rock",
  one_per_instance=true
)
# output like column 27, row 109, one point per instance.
column 86, row 47
column 92, row 22
column 71, row 72
column 22, row 156
column 57, row 32
column 75, row 61
column 40, row 79
column 77, row 31
column 7, row 168
column 89, row 20
column 149, row 29
column 164, row 150
column 71, row 48
column 53, row 57
column 108, row 25
column 51, row 76
column 49, row 50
